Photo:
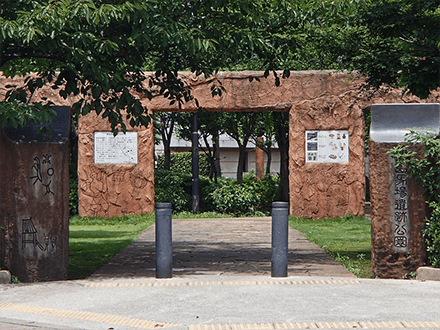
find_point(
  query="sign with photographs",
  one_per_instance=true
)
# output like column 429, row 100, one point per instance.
column 326, row 146
column 119, row 149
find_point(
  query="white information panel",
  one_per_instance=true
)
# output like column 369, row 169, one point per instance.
column 119, row 149
column 326, row 146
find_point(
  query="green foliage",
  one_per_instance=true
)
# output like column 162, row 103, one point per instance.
column 432, row 234
column 395, row 42
column 173, row 187
column 347, row 239
column 233, row 198
column 253, row 197
column 267, row 189
column 202, row 215
column 425, row 169
column 182, row 162
column 98, row 51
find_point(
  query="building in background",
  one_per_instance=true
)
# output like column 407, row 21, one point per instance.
column 228, row 154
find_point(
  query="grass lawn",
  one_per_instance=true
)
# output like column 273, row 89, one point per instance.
column 346, row 239
column 94, row 241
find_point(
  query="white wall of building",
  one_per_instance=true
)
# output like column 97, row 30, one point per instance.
column 228, row 155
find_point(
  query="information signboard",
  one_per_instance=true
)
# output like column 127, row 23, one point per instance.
column 327, row 146
column 119, row 149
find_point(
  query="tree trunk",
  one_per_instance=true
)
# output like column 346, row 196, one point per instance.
column 167, row 154
column 241, row 163
column 269, row 160
column 216, row 146
column 166, row 131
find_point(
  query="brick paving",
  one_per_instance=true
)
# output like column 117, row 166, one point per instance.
column 238, row 246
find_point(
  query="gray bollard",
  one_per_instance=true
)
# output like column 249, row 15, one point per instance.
column 163, row 241
column 280, row 234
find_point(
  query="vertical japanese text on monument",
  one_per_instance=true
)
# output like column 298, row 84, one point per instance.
column 401, row 216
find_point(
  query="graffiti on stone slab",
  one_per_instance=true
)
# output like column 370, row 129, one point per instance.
column 30, row 237
column 401, row 216
column 43, row 172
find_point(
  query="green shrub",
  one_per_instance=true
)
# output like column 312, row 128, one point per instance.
column 268, row 189
column 207, row 187
column 235, row 199
column 254, row 197
column 173, row 187
column 182, row 162
column 432, row 234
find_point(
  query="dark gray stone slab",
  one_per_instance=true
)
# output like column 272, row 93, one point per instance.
column 28, row 133
column 390, row 122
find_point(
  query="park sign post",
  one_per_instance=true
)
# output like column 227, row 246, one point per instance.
column 398, row 207
column 34, row 199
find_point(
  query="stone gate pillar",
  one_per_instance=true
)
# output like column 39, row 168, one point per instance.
column 326, row 158
column 398, row 208
column 115, row 174
column 34, row 200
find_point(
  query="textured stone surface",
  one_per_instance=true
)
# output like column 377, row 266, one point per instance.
column 263, row 95
column 34, row 208
column 109, row 190
column 386, row 261
column 321, row 190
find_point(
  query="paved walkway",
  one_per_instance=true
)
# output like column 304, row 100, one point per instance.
column 221, row 281
column 238, row 246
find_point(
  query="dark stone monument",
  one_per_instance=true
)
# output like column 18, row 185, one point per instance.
column 398, row 207
column 34, row 199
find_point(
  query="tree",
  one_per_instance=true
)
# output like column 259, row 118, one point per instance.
column 164, row 124
column 210, row 125
column 240, row 126
column 396, row 42
column 98, row 50
column 265, row 129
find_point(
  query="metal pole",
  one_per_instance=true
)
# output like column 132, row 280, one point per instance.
column 280, row 236
column 195, row 166
column 163, row 241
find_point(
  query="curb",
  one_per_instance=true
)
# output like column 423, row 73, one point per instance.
column 428, row 274
column 5, row 277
